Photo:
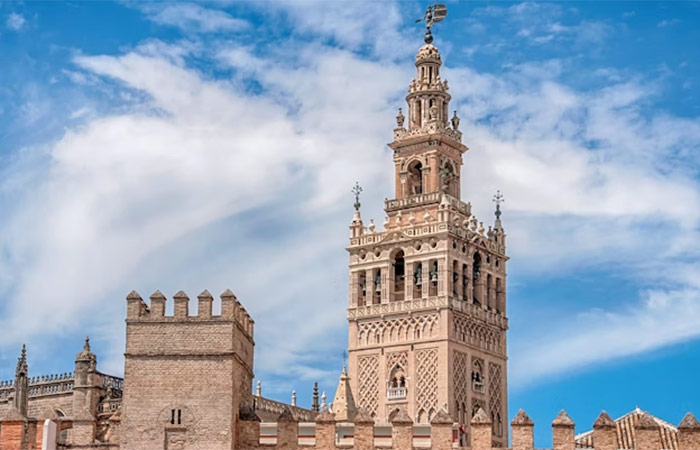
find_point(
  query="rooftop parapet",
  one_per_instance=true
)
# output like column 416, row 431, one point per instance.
column 366, row 434
column 231, row 309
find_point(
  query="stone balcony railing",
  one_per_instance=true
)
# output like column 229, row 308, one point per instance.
column 396, row 393
column 274, row 407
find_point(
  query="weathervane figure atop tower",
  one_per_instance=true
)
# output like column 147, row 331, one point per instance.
column 434, row 14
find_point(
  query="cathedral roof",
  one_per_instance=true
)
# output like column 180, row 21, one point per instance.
column 625, row 427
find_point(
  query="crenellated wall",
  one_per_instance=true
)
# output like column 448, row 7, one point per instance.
column 186, row 376
column 405, row 435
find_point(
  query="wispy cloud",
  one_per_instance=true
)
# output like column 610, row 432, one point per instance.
column 205, row 183
column 15, row 21
column 193, row 17
column 667, row 23
column 661, row 318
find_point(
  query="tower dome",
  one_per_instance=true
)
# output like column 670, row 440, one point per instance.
column 428, row 53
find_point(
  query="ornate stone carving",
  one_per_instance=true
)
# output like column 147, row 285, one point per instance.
column 368, row 383
column 426, row 383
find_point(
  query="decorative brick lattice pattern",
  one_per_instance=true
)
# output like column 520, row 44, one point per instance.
column 369, row 383
column 397, row 330
column 495, row 397
column 462, row 377
column 478, row 334
column 394, row 358
column 426, row 383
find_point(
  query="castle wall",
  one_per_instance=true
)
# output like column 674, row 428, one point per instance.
column 185, row 376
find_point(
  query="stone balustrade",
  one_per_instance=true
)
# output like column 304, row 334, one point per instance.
column 327, row 434
column 40, row 386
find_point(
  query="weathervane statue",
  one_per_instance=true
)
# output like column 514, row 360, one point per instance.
column 434, row 14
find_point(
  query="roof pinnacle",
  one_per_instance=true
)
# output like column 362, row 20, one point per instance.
column 22, row 368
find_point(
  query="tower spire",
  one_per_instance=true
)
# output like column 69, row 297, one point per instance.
column 314, row 401
column 21, row 400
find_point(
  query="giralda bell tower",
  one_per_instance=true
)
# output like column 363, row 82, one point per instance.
column 427, row 313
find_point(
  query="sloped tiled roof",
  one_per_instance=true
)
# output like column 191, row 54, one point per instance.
column 626, row 433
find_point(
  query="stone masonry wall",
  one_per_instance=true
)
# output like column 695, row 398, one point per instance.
column 442, row 435
column 185, row 376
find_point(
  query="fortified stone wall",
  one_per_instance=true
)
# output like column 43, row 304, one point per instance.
column 186, row 377
column 647, row 436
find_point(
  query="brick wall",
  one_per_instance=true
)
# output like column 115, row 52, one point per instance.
column 185, row 376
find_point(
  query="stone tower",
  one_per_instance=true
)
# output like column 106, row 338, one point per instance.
column 186, row 377
column 427, row 307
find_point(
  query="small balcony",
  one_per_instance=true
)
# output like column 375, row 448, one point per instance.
column 396, row 393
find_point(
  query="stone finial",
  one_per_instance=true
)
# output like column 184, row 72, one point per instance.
column 604, row 421
column 205, row 295
column 286, row 416
column 258, row 388
column 228, row 294
column 325, row 416
column 646, row 422
column 442, row 417
column 157, row 295
column 86, row 353
column 400, row 118
column 522, row 419
column 363, row 417
column 563, row 420
column 133, row 295
column 455, row 118
column 314, row 400
column 294, row 398
column 401, row 417
column 181, row 295
column 480, row 417
column 22, row 369
column 689, row 422
column 324, row 406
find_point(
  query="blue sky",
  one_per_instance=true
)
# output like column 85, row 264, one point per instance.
column 213, row 145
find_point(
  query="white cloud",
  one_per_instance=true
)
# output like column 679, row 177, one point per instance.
column 662, row 318
column 193, row 17
column 205, row 184
column 667, row 23
column 15, row 21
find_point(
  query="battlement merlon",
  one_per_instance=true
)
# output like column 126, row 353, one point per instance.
column 231, row 310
